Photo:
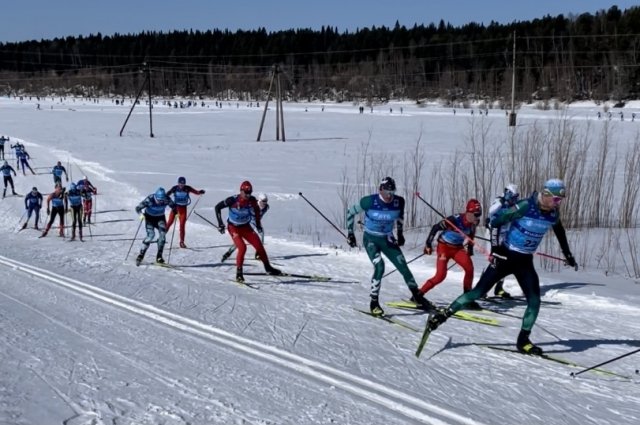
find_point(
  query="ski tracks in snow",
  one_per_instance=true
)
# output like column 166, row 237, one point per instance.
column 402, row 404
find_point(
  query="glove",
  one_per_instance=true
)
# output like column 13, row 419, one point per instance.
column 470, row 250
column 221, row 229
column 48, row 211
column 138, row 210
column 400, row 239
column 259, row 229
column 391, row 241
column 570, row 261
column 201, row 192
column 175, row 211
column 351, row 240
column 428, row 250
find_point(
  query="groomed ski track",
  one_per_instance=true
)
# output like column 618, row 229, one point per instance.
column 382, row 395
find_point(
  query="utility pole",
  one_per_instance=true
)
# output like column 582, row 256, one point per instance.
column 275, row 76
column 147, row 80
column 512, row 115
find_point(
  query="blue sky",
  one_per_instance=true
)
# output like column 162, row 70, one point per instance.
column 37, row 19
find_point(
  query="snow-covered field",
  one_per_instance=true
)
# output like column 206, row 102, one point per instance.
column 89, row 338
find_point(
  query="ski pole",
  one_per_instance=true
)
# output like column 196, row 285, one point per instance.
column 21, row 217
column 176, row 223
column 454, row 227
column 208, row 221
column 194, row 206
column 134, row 237
column 408, row 262
column 323, row 216
column 573, row 375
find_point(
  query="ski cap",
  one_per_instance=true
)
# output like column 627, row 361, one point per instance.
column 85, row 178
column 554, row 187
column 160, row 195
column 182, row 180
column 72, row 186
column 34, row 189
column 473, row 206
column 263, row 198
column 388, row 184
column 246, row 187
column 6, row 163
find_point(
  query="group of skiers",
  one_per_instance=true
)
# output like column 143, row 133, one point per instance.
column 517, row 228
column 243, row 222
column 79, row 197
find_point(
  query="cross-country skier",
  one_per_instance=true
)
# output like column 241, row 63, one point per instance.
column 455, row 232
column 263, row 204
column 496, row 234
column 383, row 210
column 57, row 204
column 6, row 171
column 181, row 197
column 23, row 157
column 58, row 170
column 87, row 189
column 33, row 204
column 242, row 208
column 75, row 202
column 530, row 219
column 154, row 207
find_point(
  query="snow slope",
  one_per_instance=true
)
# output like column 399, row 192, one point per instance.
column 89, row 338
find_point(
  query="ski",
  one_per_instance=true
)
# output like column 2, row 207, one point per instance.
column 245, row 284
column 390, row 319
column 460, row 315
column 300, row 276
column 551, row 358
column 514, row 299
column 425, row 336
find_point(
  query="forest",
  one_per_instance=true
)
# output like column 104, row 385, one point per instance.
column 567, row 58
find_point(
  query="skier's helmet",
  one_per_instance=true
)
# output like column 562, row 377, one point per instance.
column 388, row 184
column 246, row 187
column 554, row 187
column 160, row 195
column 34, row 189
column 262, row 197
column 182, row 180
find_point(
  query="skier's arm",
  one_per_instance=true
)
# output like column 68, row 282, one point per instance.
column 354, row 210
column 561, row 235
column 438, row 227
column 507, row 215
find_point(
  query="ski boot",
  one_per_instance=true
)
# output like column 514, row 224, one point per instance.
column 500, row 292
column 375, row 308
column 182, row 245
column 439, row 318
column 421, row 302
column 24, row 226
column 272, row 271
column 525, row 346
column 239, row 275
column 140, row 257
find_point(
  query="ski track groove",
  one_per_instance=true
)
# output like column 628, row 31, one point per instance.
column 400, row 403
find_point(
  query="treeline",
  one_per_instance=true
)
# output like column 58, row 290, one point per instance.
column 593, row 56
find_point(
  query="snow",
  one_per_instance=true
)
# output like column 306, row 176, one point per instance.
column 89, row 338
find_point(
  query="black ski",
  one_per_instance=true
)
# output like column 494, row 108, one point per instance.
column 552, row 358
column 390, row 319
column 425, row 336
column 300, row 276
